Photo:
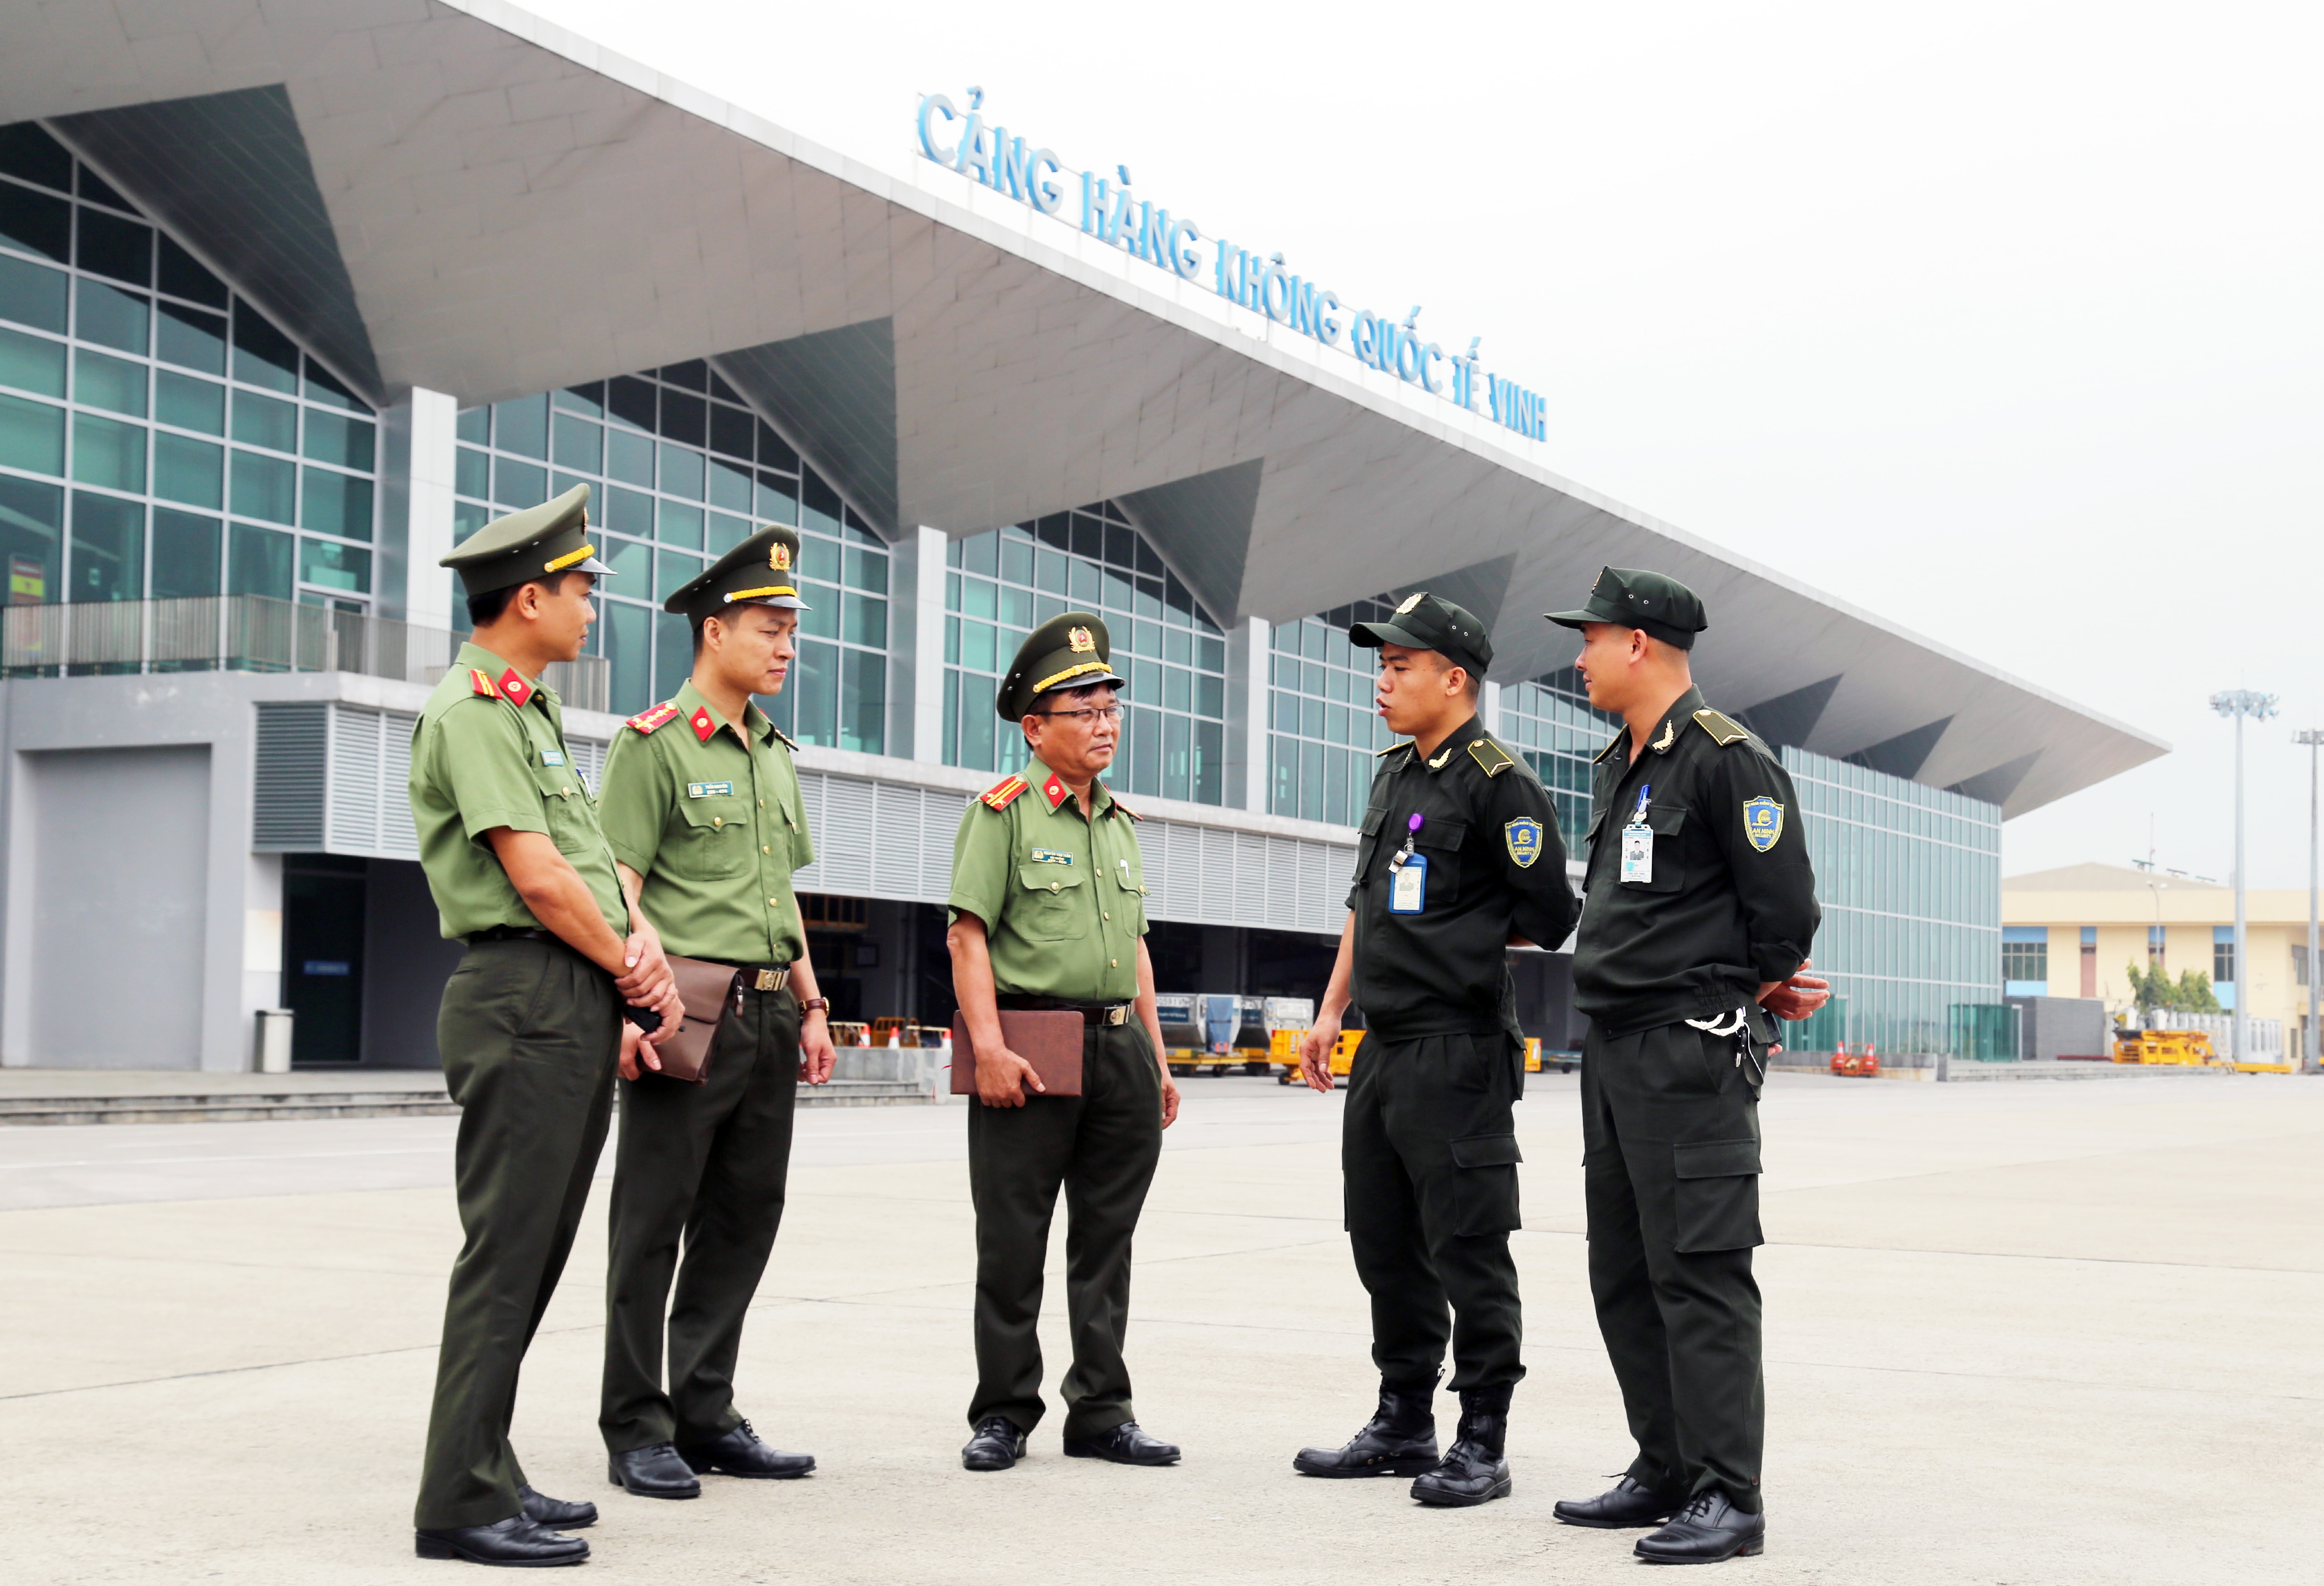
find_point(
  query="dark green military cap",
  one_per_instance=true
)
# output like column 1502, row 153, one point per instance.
column 539, row 542
column 1072, row 650
column 763, row 570
column 1655, row 603
column 1428, row 621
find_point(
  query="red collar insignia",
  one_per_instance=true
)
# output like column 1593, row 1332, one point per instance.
column 1054, row 790
column 702, row 723
column 517, row 689
column 481, row 684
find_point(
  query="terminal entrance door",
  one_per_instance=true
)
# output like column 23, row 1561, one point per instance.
column 323, row 896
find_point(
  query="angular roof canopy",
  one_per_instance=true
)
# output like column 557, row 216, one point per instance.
column 464, row 197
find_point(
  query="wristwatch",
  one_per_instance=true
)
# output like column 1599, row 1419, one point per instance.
column 815, row 1005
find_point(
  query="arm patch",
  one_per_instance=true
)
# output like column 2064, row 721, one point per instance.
column 1490, row 756
column 1722, row 731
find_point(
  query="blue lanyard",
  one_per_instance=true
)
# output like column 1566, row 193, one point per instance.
column 1639, row 814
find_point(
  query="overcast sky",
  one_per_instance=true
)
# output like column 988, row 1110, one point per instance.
column 2005, row 322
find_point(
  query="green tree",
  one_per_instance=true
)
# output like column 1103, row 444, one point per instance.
column 2189, row 993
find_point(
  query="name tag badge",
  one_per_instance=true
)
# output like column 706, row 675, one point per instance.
column 1407, row 886
column 710, row 789
column 1051, row 856
column 552, row 757
column 1638, row 854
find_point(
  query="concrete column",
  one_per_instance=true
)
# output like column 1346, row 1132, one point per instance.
column 261, row 958
column 924, row 620
column 416, row 473
column 1248, row 660
column 1488, row 706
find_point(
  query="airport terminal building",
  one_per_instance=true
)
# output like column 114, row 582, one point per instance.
column 294, row 295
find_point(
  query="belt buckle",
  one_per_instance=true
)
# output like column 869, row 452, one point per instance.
column 771, row 979
column 1118, row 1014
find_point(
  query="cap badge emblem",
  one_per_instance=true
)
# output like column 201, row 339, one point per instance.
column 1078, row 640
column 780, row 558
column 1410, row 601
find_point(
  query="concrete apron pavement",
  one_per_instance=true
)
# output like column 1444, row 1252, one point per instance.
column 2015, row 1334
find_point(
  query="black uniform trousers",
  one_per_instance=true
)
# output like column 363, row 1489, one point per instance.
column 531, row 1035
column 1428, row 1157
column 705, row 1164
column 1669, row 1133
column 1101, row 1147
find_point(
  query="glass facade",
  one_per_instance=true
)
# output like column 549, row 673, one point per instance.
column 159, row 437
column 1910, row 880
column 1323, row 728
column 998, row 586
column 680, row 470
column 1550, row 722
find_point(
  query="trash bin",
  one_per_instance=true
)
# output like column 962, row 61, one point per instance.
column 274, row 1025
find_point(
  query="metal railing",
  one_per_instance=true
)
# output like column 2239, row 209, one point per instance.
column 246, row 634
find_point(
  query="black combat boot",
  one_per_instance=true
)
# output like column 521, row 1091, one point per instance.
column 1474, row 1471
column 1400, row 1440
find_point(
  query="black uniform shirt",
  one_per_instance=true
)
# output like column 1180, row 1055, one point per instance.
column 1731, row 901
column 1496, row 865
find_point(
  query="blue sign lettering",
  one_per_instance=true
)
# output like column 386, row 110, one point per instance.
column 992, row 156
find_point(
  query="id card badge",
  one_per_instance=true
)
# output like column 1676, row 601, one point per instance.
column 1638, row 854
column 1407, row 886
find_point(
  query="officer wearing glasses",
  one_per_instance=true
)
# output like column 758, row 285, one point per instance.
column 1049, row 911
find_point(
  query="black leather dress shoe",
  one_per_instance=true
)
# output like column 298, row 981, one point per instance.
column 1474, row 1471
column 654, row 1471
column 515, row 1543
column 1628, row 1502
column 1707, row 1530
column 996, row 1446
column 556, row 1513
column 1400, row 1440
column 1125, row 1445
column 740, row 1452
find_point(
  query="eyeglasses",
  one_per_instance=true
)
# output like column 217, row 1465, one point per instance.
column 1112, row 713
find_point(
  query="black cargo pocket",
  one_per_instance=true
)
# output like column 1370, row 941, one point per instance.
column 1486, row 1188
column 1718, row 1195
column 1667, row 823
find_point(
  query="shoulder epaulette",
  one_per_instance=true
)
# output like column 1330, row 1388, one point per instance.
column 1001, row 793
column 1611, row 744
column 1125, row 809
column 1722, row 731
column 1491, row 757
column 646, row 721
column 481, row 685
column 786, row 737
column 1391, row 749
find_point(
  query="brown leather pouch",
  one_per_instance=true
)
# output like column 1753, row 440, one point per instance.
column 1049, row 1039
column 708, row 989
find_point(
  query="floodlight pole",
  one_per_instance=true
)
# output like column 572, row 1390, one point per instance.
column 2313, row 739
column 2239, row 703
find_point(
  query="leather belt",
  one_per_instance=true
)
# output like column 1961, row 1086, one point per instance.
column 511, row 933
column 757, row 977
column 1092, row 1013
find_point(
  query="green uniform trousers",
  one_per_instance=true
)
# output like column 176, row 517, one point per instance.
column 1101, row 1145
column 531, row 1035
column 705, row 1162
column 1670, row 1156
column 1428, row 1156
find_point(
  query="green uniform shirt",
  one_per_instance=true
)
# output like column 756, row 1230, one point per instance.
column 1063, row 898
column 490, row 751
column 712, row 819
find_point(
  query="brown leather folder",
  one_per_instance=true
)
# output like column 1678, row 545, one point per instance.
column 708, row 989
column 1049, row 1039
